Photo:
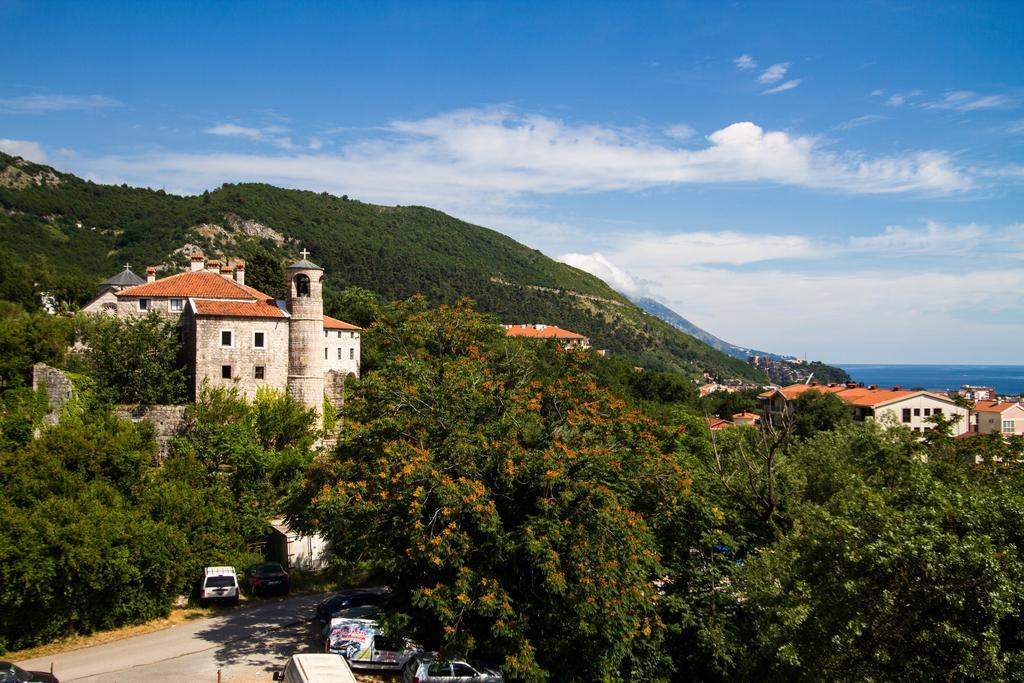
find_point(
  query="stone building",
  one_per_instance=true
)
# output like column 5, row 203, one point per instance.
column 237, row 336
column 106, row 295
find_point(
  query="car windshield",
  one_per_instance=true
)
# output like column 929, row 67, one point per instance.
column 12, row 673
column 268, row 570
column 219, row 581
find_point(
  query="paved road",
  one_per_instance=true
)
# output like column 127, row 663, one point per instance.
column 245, row 643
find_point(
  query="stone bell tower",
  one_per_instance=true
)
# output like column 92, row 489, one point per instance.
column 305, row 333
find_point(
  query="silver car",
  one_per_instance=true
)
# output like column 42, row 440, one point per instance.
column 426, row 668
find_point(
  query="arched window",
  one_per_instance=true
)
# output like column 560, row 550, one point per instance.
column 301, row 285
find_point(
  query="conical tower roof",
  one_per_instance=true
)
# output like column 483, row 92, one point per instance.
column 126, row 278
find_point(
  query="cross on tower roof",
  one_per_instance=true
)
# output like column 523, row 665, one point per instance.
column 126, row 266
column 304, row 253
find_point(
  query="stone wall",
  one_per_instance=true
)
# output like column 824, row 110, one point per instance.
column 167, row 421
column 58, row 389
column 242, row 356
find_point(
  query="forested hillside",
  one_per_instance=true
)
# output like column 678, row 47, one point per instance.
column 69, row 234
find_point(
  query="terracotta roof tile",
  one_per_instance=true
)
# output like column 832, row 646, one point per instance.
column 267, row 308
column 856, row 396
column 540, row 332
column 201, row 283
column 335, row 324
column 746, row 416
column 993, row 406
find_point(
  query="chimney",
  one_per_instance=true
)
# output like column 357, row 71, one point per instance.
column 213, row 265
column 225, row 271
column 150, row 273
column 240, row 272
column 196, row 261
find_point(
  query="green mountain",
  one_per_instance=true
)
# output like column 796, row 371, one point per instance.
column 74, row 233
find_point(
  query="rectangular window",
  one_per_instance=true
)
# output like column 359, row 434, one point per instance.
column 339, row 334
column 225, row 338
column 937, row 411
column 177, row 305
column 351, row 354
column 906, row 414
column 339, row 354
column 259, row 340
column 327, row 333
column 1008, row 426
column 144, row 304
column 917, row 412
column 927, row 412
column 352, row 335
column 325, row 353
column 917, row 429
column 259, row 372
column 225, row 372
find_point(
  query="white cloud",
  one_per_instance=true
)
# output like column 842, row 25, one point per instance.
column 598, row 265
column 744, row 63
column 475, row 158
column 935, row 238
column 271, row 134
column 788, row 85
column 966, row 100
column 859, row 121
column 829, row 304
column 877, row 93
column 1016, row 127
column 25, row 149
column 42, row 104
column 896, row 100
column 774, row 73
column 681, row 131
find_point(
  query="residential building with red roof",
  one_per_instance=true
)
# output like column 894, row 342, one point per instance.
column 910, row 408
column 568, row 339
column 999, row 417
column 236, row 336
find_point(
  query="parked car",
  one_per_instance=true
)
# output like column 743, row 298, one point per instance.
column 365, row 645
column 310, row 668
column 427, row 668
column 10, row 673
column 352, row 597
column 218, row 584
column 267, row 577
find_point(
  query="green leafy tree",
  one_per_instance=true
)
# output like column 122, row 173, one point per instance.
column 137, row 360
column 514, row 517
column 815, row 411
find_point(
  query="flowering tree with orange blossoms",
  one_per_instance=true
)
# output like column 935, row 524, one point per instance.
column 518, row 517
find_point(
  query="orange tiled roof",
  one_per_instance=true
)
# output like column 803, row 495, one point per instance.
column 993, row 406
column 335, row 324
column 266, row 308
column 746, row 416
column 202, row 283
column 717, row 423
column 856, row 396
column 547, row 332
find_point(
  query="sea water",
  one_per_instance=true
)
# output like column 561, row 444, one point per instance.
column 1006, row 379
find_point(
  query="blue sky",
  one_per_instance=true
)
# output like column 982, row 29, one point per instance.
column 841, row 180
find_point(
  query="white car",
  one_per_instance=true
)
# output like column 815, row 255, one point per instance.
column 428, row 668
column 218, row 584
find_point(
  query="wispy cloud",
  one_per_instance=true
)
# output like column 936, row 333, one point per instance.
column 479, row 157
column 859, row 121
column 834, row 291
column 788, row 85
column 744, row 63
column 44, row 104
column 966, row 100
column 900, row 98
column 272, row 134
column 26, row 149
column 774, row 73
column 681, row 131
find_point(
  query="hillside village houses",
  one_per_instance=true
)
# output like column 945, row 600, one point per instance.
column 910, row 408
column 237, row 336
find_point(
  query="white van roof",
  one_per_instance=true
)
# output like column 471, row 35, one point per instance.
column 219, row 571
column 324, row 668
